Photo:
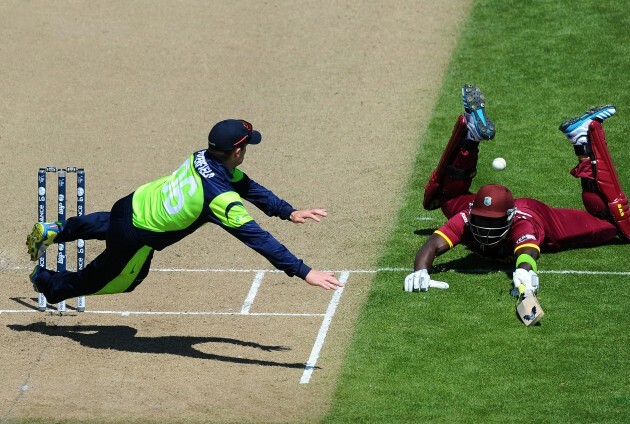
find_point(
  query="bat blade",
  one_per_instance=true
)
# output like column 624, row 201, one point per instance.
column 528, row 309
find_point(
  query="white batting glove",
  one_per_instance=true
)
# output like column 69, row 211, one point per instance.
column 529, row 279
column 417, row 281
column 420, row 281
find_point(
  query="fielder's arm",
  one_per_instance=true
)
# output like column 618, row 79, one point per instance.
column 260, row 196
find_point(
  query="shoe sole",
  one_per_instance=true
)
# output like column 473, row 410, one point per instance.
column 474, row 104
column 36, row 236
column 597, row 112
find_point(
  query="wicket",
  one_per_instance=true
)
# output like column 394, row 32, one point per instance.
column 61, row 216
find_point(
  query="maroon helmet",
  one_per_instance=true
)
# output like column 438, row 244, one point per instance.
column 491, row 214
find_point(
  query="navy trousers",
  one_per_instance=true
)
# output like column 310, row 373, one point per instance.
column 122, row 245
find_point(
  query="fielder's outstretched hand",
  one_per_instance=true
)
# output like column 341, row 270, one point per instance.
column 325, row 280
column 300, row 217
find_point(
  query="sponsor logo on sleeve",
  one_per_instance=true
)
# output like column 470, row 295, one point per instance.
column 525, row 237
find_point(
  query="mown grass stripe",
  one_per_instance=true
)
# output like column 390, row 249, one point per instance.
column 461, row 355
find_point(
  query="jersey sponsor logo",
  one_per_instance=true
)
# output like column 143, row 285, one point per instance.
column 525, row 237
column 201, row 165
column 464, row 217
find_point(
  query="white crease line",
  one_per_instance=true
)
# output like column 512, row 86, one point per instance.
column 127, row 313
column 17, row 311
column 364, row 271
column 212, row 270
column 571, row 271
column 321, row 335
column 252, row 292
column 260, row 314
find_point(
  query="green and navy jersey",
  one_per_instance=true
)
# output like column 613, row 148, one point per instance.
column 202, row 190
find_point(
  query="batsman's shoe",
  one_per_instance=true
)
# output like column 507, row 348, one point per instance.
column 576, row 129
column 480, row 127
column 33, row 277
column 42, row 236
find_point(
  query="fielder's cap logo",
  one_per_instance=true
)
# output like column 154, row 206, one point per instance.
column 232, row 133
column 487, row 200
column 246, row 125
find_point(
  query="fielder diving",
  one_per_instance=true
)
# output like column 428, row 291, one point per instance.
column 207, row 187
column 494, row 224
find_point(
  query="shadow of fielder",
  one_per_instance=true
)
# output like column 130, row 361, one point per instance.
column 123, row 338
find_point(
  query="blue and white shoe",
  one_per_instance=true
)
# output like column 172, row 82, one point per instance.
column 33, row 277
column 42, row 236
column 480, row 127
column 576, row 129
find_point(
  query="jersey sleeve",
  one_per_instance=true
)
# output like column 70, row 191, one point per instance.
column 525, row 234
column 227, row 211
column 252, row 235
column 453, row 230
column 261, row 197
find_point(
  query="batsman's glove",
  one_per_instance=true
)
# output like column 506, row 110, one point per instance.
column 417, row 281
column 529, row 279
column 421, row 281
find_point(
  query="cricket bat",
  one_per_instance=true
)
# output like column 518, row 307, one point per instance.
column 527, row 307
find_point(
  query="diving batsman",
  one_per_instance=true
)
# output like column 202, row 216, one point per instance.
column 494, row 224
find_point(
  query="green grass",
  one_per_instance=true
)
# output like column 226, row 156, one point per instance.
column 461, row 355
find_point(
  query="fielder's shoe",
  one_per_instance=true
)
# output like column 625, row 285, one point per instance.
column 479, row 126
column 42, row 236
column 576, row 129
column 33, row 277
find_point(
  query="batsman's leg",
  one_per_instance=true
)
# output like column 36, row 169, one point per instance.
column 601, row 189
column 607, row 179
column 453, row 176
column 458, row 164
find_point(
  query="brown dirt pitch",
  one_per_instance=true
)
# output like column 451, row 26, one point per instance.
column 341, row 91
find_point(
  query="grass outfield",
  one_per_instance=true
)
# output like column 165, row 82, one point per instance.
column 461, row 355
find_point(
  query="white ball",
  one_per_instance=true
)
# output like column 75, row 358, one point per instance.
column 499, row 164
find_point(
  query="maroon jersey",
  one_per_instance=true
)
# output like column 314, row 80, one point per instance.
column 535, row 225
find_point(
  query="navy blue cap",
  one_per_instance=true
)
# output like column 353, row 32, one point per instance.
column 231, row 134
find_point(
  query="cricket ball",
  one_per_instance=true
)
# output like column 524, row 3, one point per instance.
column 499, row 164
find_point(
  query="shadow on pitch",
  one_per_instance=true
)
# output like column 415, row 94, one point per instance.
column 123, row 338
